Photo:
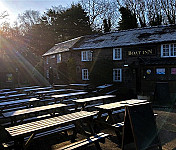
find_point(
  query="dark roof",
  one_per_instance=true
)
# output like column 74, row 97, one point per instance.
column 128, row 37
column 62, row 47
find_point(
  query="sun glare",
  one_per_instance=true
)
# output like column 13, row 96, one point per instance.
column 2, row 7
column 10, row 17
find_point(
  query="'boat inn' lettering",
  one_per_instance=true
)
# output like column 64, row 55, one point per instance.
column 137, row 53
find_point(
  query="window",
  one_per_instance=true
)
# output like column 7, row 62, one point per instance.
column 58, row 58
column 47, row 60
column 85, row 74
column 117, row 75
column 168, row 50
column 86, row 56
column 117, row 54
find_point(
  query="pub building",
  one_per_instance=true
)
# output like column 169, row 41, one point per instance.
column 140, row 61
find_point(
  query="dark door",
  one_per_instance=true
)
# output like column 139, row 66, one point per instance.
column 162, row 95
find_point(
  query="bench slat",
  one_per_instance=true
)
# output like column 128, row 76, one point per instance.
column 117, row 125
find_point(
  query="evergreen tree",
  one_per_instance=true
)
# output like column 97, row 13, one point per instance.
column 128, row 19
column 67, row 24
column 107, row 25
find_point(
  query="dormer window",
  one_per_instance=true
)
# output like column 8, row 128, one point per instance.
column 168, row 50
column 117, row 53
column 86, row 56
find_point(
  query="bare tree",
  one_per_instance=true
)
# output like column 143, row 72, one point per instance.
column 169, row 10
column 3, row 14
column 98, row 10
column 28, row 19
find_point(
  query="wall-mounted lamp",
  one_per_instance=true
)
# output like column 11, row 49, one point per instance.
column 125, row 65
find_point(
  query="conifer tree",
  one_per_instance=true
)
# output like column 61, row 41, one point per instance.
column 128, row 19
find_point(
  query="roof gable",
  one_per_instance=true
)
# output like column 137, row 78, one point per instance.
column 62, row 47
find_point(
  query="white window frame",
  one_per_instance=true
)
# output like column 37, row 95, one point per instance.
column 117, row 53
column 117, row 76
column 85, row 74
column 86, row 55
column 59, row 58
column 171, row 49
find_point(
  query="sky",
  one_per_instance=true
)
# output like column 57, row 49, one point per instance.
column 15, row 7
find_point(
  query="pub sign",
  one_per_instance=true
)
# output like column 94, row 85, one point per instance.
column 141, row 51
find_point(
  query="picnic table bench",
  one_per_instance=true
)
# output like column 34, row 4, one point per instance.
column 61, row 97
column 43, row 93
column 59, row 86
column 35, row 110
column 84, row 102
column 19, row 132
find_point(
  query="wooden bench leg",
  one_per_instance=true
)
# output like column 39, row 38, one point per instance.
column 29, row 141
column 73, row 139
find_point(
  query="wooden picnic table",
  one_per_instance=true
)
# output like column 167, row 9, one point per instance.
column 109, row 115
column 28, row 87
column 117, row 106
column 79, row 86
column 17, row 133
column 63, row 96
column 8, row 93
column 85, row 101
column 43, row 93
column 28, row 91
column 12, row 96
column 25, row 112
column 104, row 86
column 4, row 90
column 28, row 102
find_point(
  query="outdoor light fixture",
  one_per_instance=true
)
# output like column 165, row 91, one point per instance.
column 125, row 65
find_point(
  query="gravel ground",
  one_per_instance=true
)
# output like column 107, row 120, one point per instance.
column 166, row 123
